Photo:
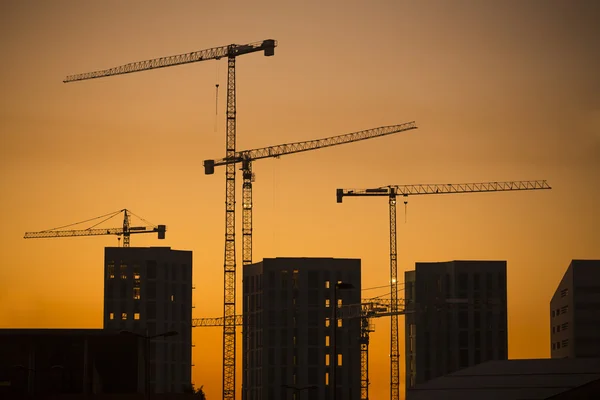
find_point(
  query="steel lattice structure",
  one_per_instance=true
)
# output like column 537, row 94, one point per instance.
column 231, row 52
column 405, row 190
column 126, row 230
column 246, row 158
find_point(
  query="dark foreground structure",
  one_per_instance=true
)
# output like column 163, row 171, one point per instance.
column 38, row 363
column 537, row 379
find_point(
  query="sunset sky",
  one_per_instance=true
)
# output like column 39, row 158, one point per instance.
column 499, row 90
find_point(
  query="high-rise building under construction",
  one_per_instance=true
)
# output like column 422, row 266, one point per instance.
column 289, row 341
column 455, row 317
column 148, row 292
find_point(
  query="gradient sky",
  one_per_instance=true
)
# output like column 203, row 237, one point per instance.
column 500, row 91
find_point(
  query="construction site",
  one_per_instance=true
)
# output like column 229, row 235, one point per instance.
column 294, row 324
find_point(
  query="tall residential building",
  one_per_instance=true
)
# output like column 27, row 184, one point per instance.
column 575, row 312
column 459, row 317
column 289, row 343
column 148, row 291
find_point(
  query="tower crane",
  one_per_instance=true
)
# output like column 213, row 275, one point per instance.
column 410, row 190
column 248, row 156
column 231, row 52
column 126, row 230
column 367, row 309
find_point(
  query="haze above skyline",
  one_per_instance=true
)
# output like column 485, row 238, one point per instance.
column 499, row 90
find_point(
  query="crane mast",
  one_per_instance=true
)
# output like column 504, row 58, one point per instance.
column 231, row 52
column 405, row 190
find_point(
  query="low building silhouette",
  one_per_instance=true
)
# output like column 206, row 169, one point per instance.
column 44, row 362
column 536, row 379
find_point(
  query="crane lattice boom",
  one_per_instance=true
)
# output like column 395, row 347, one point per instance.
column 406, row 190
column 124, row 231
column 214, row 53
column 92, row 232
column 298, row 147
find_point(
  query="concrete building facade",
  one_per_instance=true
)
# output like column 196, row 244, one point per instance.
column 456, row 317
column 575, row 312
column 289, row 341
column 148, row 291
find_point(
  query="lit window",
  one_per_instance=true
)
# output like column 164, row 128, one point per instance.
column 111, row 270
column 123, row 271
column 339, row 303
column 327, row 341
column 327, row 359
column 124, row 316
column 339, row 359
column 326, row 302
column 136, row 316
column 111, row 316
column 339, row 323
column 326, row 378
column 327, row 322
column 326, row 284
column 136, row 293
column 172, row 297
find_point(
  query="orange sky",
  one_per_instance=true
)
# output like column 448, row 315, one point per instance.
column 500, row 91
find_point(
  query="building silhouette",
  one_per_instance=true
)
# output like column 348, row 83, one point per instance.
column 456, row 317
column 575, row 312
column 148, row 291
column 42, row 363
column 288, row 337
column 531, row 379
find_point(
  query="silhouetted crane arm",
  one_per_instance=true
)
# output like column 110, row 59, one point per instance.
column 126, row 230
column 406, row 190
column 218, row 321
column 298, row 147
column 90, row 232
column 214, row 53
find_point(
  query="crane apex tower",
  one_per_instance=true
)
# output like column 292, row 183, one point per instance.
column 148, row 292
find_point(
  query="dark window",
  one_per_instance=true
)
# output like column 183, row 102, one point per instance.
column 463, row 282
column 463, row 339
column 463, row 358
column 463, row 319
column 151, row 269
column 313, row 337
column 313, row 279
column 476, row 281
